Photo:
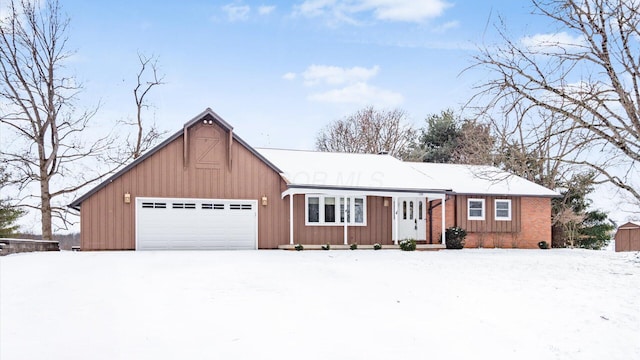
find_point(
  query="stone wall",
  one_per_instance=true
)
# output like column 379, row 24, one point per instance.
column 12, row 246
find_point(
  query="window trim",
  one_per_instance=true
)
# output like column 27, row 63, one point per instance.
column 483, row 208
column 495, row 210
column 338, row 222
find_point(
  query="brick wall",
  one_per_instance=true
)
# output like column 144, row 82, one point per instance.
column 536, row 227
column 450, row 216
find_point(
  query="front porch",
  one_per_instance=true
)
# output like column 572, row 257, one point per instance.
column 342, row 217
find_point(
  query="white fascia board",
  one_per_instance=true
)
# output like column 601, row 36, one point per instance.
column 381, row 193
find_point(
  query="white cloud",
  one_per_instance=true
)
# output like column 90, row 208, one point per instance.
column 289, row 76
column 446, row 26
column 313, row 8
column 359, row 93
column 266, row 10
column 335, row 75
column 345, row 85
column 237, row 12
column 549, row 42
column 391, row 10
column 406, row 10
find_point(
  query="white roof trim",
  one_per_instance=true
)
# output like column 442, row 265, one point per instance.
column 344, row 192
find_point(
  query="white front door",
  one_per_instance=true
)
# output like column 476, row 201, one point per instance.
column 412, row 219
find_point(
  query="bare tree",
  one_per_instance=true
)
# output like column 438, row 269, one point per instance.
column 586, row 81
column 369, row 131
column 38, row 105
column 149, row 69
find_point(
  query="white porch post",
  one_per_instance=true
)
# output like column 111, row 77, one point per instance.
column 346, row 235
column 291, row 219
column 395, row 220
column 443, row 219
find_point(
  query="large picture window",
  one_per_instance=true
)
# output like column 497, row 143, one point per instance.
column 503, row 209
column 332, row 210
column 475, row 209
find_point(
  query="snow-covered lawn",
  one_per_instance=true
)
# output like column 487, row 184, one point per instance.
column 363, row 304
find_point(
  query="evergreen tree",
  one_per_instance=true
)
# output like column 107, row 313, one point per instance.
column 449, row 139
column 596, row 230
column 8, row 214
column 8, row 217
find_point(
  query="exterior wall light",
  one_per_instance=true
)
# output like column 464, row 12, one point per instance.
column 264, row 200
column 127, row 198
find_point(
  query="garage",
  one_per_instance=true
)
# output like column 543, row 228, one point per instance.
column 196, row 224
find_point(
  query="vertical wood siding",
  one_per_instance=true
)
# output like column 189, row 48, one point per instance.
column 628, row 239
column 378, row 229
column 107, row 223
column 489, row 224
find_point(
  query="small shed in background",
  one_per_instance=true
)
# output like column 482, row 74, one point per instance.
column 628, row 237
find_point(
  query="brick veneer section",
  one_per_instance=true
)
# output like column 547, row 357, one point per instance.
column 12, row 246
column 536, row 226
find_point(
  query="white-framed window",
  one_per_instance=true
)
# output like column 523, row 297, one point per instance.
column 475, row 209
column 502, row 209
column 332, row 210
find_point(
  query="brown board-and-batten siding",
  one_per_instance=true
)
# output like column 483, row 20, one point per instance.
column 489, row 224
column 377, row 230
column 628, row 237
column 215, row 167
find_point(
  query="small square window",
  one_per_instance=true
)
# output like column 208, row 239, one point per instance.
column 503, row 209
column 475, row 209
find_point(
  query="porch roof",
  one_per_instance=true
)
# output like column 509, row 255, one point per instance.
column 371, row 174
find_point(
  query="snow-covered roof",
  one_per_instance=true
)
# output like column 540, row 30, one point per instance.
column 315, row 169
column 630, row 225
column 481, row 179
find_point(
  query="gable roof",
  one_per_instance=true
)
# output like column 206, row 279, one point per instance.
column 331, row 170
column 207, row 114
column 482, row 180
column 630, row 225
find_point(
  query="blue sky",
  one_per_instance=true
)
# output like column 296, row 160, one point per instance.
column 280, row 71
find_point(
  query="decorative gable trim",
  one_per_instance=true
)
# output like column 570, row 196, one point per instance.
column 206, row 115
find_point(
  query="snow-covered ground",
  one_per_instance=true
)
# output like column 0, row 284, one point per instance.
column 363, row 304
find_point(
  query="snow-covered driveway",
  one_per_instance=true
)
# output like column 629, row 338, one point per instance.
column 363, row 304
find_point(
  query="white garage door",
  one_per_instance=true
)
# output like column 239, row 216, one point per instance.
column 184, row 224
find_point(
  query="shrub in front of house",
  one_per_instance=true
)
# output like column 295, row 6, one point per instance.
column 327, row 246
column 299, row 247
column 455, row 237
column 353, row 246
column 543, row 245
column 408, row 245
column 377, row 246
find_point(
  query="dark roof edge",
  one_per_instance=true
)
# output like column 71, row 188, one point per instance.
column 225, row 125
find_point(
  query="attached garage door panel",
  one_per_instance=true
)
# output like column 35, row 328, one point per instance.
column 196, row 224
